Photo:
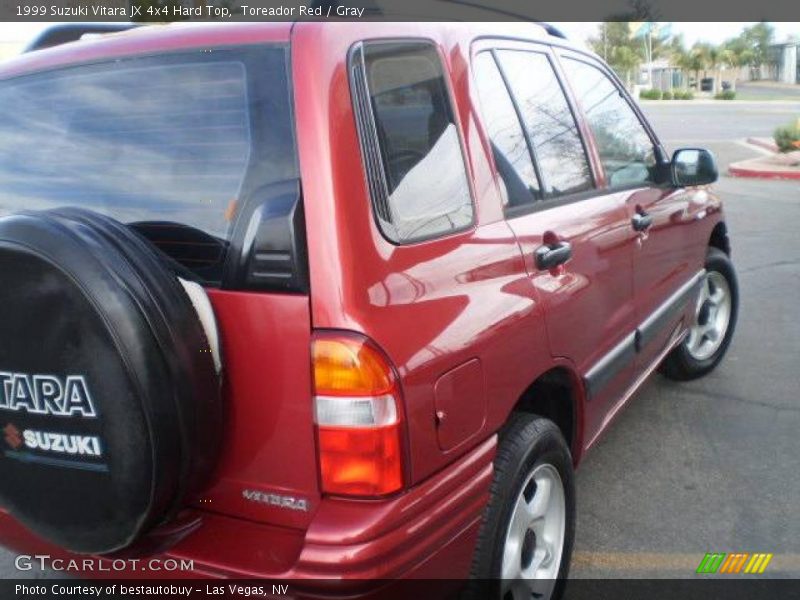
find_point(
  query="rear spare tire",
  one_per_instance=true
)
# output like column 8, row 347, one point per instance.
column 110, row 401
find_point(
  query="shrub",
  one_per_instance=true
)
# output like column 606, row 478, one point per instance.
column 788, row 138
column 650, row 94
column 666, row 95
column 683, row 95
column 726, row 95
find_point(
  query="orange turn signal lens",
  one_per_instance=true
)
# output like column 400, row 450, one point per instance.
column 349, row 365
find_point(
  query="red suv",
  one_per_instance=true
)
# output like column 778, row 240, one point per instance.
column 335, row 301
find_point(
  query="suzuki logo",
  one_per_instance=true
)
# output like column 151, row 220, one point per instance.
column 13, row 436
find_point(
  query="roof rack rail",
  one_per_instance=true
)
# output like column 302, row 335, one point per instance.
column 553, row 30
column 71, row 32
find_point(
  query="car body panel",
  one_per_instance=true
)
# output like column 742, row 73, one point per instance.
column 265, row 342
column 464, row 296
column 428, row 532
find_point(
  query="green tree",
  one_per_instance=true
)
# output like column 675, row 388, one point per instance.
column 614, row 43
column 611, row 35
column 623, row 52
column 701, row 58
column 740, row 51
column 749, row 49
column 662, row 44
column 625, row 61
column 759, row 37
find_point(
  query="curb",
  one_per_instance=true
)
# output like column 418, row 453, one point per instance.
column 766, row 144
column 737, row 170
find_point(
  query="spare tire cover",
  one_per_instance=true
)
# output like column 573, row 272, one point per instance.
column 110, row 402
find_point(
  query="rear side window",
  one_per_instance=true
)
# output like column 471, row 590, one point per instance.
column 509, row 146
column 626, row 151
column 172, row 145
column 418, row 178
column 551, row 126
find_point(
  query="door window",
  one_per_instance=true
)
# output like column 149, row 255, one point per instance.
column 509, row 146
column 626, row 150
column 551, row 127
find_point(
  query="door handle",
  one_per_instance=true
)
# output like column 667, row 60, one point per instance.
column 641, row 221
column 552, row 255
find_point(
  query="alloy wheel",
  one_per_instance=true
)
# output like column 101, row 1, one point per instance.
column 712, row 317
column 535, row 538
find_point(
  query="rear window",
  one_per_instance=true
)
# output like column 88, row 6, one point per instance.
column 174, row 145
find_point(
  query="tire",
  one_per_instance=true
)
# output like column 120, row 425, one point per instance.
column 530, row 447
column 110, row 403
column 698, row 355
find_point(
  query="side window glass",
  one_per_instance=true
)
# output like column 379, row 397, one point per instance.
column 626, row 151
column 426, row 188
column 509, row 147
column 551, row 126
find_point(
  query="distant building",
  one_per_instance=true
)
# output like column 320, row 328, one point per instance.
column 664, row 76
column 786, row 60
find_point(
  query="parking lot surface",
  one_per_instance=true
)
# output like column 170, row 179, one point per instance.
column 711, row 465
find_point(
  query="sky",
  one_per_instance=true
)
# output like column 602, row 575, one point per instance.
column 692, row 32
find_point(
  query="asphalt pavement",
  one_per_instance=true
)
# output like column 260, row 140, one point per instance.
column 767, row 90
column 710, row 465
column 682, row 122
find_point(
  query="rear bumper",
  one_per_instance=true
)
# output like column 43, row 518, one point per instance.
column 427, row 532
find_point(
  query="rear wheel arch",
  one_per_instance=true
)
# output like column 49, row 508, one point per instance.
column 555, row 395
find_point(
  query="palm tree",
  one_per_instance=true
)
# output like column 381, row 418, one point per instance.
column 624, row 60
column 614, row 43
column 734, row 60
column 700, row 60
column 715, row 61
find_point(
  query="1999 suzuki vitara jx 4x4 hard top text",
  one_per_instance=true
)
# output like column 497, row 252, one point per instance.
column 335, row 300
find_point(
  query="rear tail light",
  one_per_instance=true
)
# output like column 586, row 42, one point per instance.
column 357, row 413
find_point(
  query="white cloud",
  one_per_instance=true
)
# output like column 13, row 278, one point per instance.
column 21, row 32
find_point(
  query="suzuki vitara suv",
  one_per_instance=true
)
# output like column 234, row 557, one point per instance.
column 336, row 302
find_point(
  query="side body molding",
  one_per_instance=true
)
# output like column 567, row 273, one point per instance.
column 625, row 352
column 666, row 312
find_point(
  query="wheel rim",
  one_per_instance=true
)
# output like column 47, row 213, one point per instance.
column 535, row 537
column 712, row 316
